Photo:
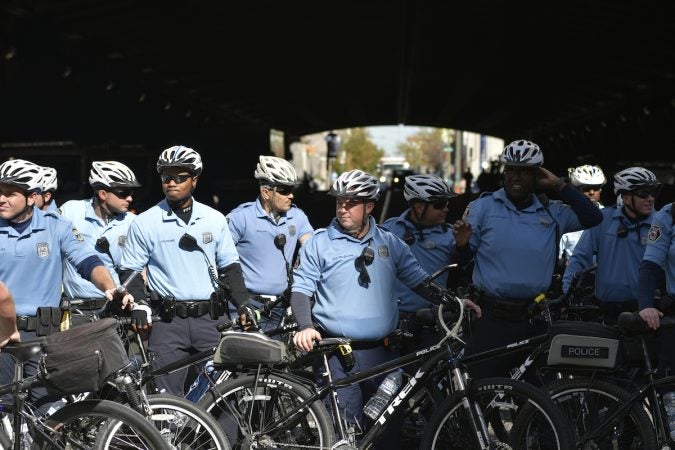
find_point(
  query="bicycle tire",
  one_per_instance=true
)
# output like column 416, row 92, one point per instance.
column 184, row 425
column 244, row 413
column 450, row 428
column 585, row 402
column 102, row 424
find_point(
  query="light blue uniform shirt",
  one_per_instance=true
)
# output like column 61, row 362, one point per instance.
column 52, row 207
column 91, row 227
column 327, row 271
column 153, row 239
column 515, row 250
column 661, row 245
column 31, row 263
column 618, row 258
column 253, row 232
column 435, row 251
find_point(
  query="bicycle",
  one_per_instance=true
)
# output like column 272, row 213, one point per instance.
column 180, row 422
column 83, row 425
column 605, row 415
column 274, row 408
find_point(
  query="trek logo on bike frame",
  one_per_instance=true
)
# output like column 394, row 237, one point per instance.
column 400, row 397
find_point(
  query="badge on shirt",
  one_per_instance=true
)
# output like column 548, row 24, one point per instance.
column 43, row 249
column 291, row 230
column 654, row 233
column 545, row 221
column 429, row 244
column 122, row 240
column 78, row 235
column 207, row 237
column 466, row 213
column 383, row 251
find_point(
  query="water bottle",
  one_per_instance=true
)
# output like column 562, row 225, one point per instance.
column 669, row 406
column 202, row 383
column 385, row 392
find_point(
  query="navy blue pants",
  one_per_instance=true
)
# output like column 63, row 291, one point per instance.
column 488, row 333
column 178, row 339
column 353, row 398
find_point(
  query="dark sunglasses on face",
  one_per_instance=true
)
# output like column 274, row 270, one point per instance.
column 123, row 193
column 590, row 187
column 347, row 203
column 178, row 179
column 512, row 170
column 284, row 190
column 645, row 193
column 440, row 204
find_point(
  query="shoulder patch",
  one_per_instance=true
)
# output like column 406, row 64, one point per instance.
column 78, row 235
column 654, row 233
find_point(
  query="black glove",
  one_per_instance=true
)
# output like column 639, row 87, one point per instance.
column 139, row 319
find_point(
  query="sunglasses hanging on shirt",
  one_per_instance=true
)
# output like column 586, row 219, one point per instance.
column 362, row 262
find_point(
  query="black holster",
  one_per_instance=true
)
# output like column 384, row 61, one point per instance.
column 48, row 320
column 167, row 309
column 217, row 304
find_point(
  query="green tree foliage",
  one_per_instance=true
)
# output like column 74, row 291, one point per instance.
column 424, row 149
column 357, row 151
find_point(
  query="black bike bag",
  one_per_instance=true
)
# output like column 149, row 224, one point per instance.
column 240, row 348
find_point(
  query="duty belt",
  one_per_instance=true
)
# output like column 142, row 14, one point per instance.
column 26, row 323
column 192, row 308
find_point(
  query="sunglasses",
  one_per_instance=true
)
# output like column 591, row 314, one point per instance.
column 439, row 204
column 178, row 179
column 347, row 203
column 512, row 170
column 590, row 187
column 123, row 193
column 362, row 262
column 284, row 190
column 645, row 193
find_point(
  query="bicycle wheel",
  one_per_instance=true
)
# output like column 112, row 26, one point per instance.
column 530, row 418
column 101, row 424
column 586, row 403
column 245, row 406
column 184, row 425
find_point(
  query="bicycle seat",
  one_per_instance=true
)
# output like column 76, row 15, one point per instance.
column 632, row 323
column 24, row 351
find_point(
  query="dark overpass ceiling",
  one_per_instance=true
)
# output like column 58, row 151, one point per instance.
column 544, row 69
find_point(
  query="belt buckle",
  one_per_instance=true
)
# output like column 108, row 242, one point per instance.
column 21, row 322
column 192, row 309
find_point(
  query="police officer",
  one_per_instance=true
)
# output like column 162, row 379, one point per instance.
column 102, row 223
column 350, row 269
column 589, row 180
column 514, row 244
column 266, row 233
column 618, row 243
column 33, row 246
column 659, row 257
column 49, row 186
column 434, row 243
column 182, row 243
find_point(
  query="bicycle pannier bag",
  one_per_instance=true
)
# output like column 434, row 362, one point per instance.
column 249, row 348
column 584, row 344
column 82, row 358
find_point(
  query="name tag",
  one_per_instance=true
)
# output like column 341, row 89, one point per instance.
column 579, row 351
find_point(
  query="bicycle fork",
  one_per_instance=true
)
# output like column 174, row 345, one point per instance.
column 473, row 410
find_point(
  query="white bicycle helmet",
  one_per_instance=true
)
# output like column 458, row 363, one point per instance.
column 634, row 178
column 179, row 156
column 356, row 184
column 49, row 181
column 587, row 175
column 111, row 174
column 22, row 173
column 522, row 153
column 427, row 188
column 275, row 171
